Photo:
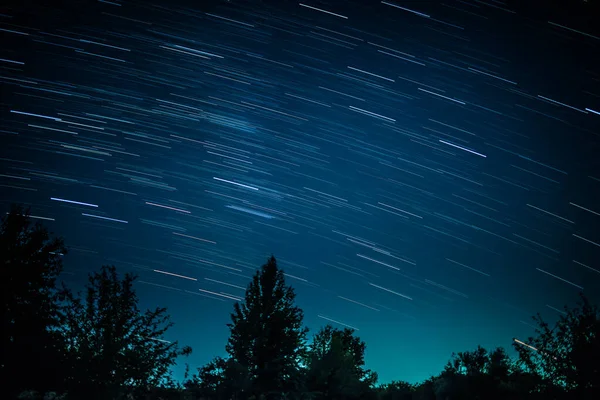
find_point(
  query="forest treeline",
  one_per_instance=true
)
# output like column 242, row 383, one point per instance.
column 98, row 344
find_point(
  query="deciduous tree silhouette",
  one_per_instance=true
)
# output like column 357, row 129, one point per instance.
column 30, row 261
column 220, row 379
column 113, row 347
column 267, row 337
column 480, row 374
column 210, row 383
column 425, row 390
column 396, row 390
column 336, row 365
column 566, row 355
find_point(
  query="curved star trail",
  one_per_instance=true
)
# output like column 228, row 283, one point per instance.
column 425, row 172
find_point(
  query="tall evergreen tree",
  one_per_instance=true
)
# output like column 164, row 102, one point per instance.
column 113, row 347
column 267, row 337
column 30, row 262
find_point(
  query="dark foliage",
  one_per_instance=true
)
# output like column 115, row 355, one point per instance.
column 30, row 262
column 267, row 337
column 396, row 390
column 565, row 356
column 336, row 366
column 113, row 348
column 473, row 374
column 221, row 379
column 101, row 346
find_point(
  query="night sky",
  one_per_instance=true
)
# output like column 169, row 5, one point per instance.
column 425, row 172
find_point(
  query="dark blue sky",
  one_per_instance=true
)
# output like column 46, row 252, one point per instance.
column 425, row 172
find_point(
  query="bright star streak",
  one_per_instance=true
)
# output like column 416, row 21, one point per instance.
column 73, row 202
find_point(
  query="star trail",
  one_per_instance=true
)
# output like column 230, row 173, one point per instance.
column 425, row 172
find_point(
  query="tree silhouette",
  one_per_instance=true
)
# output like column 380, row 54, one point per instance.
column 335, row 365
column 463, row 375
column 396, row 390
column 101, row 346
column 30, row 261
column 113, row 348
column 220, row 379
column 481, row 374
column 425, row 390
column 566, row 356
column 267, row 337
column 210, row 383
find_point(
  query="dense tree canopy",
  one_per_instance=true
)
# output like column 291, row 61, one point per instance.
column 473, row 374
column 99, row 345
column 221, row 379
column 396, row 390
column 30, row 262
column 111, row 344
column 336, row 365
column 565, row 356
